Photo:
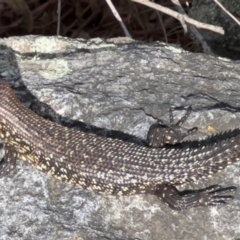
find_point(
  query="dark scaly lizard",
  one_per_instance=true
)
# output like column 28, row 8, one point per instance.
column 111, row 166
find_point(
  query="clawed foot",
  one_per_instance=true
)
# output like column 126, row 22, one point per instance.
column 5, row 167
column 211, row 196
column 160, row 133
column 8, row 162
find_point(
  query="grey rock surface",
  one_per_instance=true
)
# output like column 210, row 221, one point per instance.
column 124, row 86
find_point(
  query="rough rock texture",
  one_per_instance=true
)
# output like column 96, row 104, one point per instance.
column 124, row 86
column 208, row 11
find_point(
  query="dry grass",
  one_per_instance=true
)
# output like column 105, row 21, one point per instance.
column 91, row 18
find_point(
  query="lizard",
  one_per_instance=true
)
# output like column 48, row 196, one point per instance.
column 112, row 166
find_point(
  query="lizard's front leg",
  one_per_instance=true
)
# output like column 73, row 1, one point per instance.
column 8, row 162
column 211, row 196
column 159, row 135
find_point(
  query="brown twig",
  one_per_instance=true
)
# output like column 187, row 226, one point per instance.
column 180, row 10
column 180, row 17
column 59, row 17
column 226, row 11
column 193, row 30
column 117, row 16
column 163, row 27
